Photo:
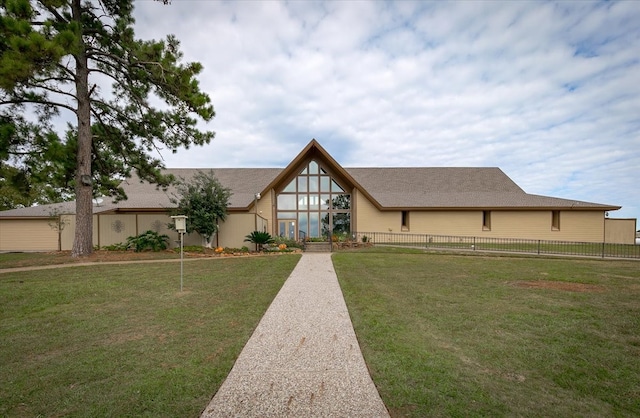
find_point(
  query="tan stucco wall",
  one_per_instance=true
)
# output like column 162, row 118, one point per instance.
column 583, row 226
column 235, row 228
column 587, row 226
column 620, row 231
column 446, row 223
column 27, row 235
column 370, row 219
column 70, row 229
column 266, row 211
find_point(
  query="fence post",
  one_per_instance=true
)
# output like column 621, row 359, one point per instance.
column 474, row 243
column 538, row 247
column 603, row 249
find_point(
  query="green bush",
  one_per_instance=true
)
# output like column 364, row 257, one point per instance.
column 116, row 247
column 149, row 240
column 288, row 242
column 260, row 238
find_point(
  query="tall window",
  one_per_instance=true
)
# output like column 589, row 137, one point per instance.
column 486, row 220
column 405, row 220
column 555, row 220
column 316, row 203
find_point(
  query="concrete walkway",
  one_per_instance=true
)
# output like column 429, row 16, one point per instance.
column 303, row 359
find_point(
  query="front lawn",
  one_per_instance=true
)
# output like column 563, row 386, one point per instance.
column 454, row 335
column 122, row 340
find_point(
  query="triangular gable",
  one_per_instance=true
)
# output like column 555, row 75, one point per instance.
column 314, row 151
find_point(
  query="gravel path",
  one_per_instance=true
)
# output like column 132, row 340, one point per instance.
column 303, row 359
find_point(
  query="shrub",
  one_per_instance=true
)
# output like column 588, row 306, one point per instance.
column 116, row 247
column 260, row 238
column 288, row 242
column 149, row 240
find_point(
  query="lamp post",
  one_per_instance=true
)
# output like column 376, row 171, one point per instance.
column 180, row 222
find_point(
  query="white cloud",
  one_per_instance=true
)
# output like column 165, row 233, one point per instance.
column 548, row 92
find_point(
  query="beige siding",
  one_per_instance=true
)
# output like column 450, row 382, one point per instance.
column 69, row 231
column 459, row 223
column 620, row 231
column 27, row 235
column 235, row 228
column 580, row 226
column 265, row 210
column 584, row 226
column 370, row 219
column 115, row 229
column 157, row 222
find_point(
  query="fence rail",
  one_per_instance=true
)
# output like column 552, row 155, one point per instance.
column 517, row 245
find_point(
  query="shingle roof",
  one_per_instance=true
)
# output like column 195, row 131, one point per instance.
column 426, row 188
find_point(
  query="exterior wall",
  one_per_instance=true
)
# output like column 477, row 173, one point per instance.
column 461, row 223
column 266, row 207
column 235, row 228
column 68, row 233
column 584, row 226
column 114, row 229
column 620, row 231
column 370, row 219
column 27, row 235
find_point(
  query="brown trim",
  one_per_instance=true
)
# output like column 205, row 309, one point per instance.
column 501, row 208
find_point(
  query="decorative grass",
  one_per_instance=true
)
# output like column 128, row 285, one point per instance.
column 452, row 335
column 122, row 340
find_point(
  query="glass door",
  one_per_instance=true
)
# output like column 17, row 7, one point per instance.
column 287, row 229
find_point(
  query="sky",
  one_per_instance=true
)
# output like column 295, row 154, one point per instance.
column 547, row 91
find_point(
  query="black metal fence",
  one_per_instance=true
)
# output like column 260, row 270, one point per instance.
column 512, row 245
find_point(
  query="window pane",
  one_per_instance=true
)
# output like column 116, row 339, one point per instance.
column 314, row 202
column 342, row 223
column 303, row 222
column 324, row 217
column 287, row 202
column 291, row 187
column 342, row 201
column 303, row 202
column 313, row 167
column 324, row 184
column 335, row 187
column 286, row 215
column 302, row 184
column 314, row 228
column 324, row 202
column 313, row 184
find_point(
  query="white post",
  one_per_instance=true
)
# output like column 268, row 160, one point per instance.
column 181, row 257
column 181, row 227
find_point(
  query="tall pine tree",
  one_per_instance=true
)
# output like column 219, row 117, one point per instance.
column 124, row 99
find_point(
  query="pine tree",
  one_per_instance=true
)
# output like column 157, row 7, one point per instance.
column 57, row 59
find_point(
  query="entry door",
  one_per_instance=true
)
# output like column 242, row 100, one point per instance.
column 287, row 229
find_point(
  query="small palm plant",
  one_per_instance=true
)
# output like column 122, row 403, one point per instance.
column 259, row 238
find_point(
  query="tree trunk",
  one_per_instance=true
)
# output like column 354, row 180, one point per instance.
column 83, row 240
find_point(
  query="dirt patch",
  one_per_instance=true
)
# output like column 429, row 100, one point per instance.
column 566, row 286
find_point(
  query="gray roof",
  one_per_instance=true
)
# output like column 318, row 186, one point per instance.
column 426, row 188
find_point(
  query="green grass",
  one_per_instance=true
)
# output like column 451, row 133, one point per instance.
column 452, row 335
column 20, row 260
column 122, row 340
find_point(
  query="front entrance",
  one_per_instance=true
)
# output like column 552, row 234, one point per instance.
column 287, row 229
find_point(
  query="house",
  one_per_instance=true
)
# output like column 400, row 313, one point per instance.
column 315, row 196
